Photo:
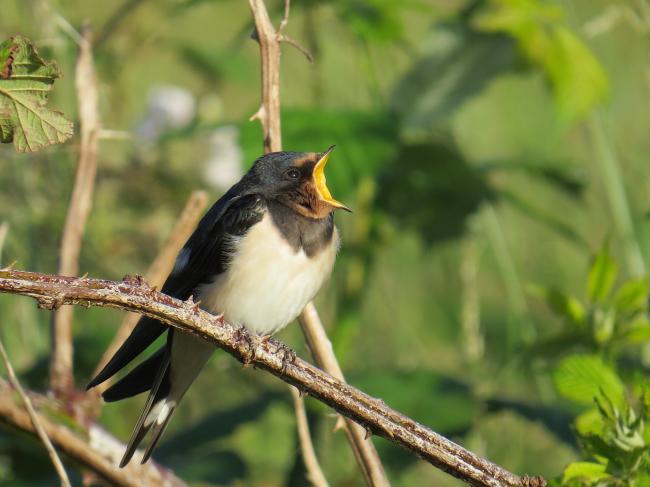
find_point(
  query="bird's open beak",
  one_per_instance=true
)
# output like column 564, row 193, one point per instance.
column 321, row 183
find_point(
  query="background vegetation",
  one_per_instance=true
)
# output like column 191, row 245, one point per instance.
column 492, row 282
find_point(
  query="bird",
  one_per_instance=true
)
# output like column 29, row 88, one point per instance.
column 257, row 257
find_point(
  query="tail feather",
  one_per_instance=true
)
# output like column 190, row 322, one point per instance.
column 154, row 402
column 160, row 424
column 140, row 379
column 143, row 335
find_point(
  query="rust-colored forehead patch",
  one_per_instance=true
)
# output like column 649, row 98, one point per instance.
column 309, row 158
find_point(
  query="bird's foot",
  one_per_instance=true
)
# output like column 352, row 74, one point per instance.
column 288, row 356
column 243, row 337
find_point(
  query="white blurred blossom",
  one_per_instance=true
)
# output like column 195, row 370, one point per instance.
column 169, row 107
column 224, row 165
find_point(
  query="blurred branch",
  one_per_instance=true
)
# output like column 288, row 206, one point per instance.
column 93, row 447
column 61, row 375
column 312, row 327
column 113, row 22
column 157, row 272
column 376, row 417
column 314, row 471
column 4, row 228
column 33, row 417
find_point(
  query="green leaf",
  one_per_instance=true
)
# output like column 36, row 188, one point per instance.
column 25, row 82
column 602, row 275
column 638, row 331
column 578, row 80
column 563, row 305
column 581, row 378
column 590, row 423
column 588, row 472
column 632, row 297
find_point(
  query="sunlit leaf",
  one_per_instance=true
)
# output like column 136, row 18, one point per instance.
column 588, row 472
column 578, row 80
column 25, row 82
column 632, row 296
column 581, row 378
column 563, row 304
column 602, row 275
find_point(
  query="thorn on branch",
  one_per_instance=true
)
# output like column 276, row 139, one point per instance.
column 368, row 433
column 257, row 115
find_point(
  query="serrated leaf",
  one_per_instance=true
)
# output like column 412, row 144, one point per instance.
column 588, row 472
column 581, row 378
column 25, row 82
column 632, row 296
column 602, row 275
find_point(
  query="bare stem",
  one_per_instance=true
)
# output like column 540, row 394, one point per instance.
column 314, row 471
column 61, row 376
column 33, row 416
column 269, row 117
column 374, row 415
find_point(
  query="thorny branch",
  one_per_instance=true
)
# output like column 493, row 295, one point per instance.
column 61, row 376
column 374, row 415
column 92, row 447
column 312, row 327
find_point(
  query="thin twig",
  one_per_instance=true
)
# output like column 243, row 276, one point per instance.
column 374, row 415
column 61, row 376
column 33, row 416
column 93, row 447
column 4, row 228
column 312, row 327
column 157, row 272
column 288, row 40
column 314, row 471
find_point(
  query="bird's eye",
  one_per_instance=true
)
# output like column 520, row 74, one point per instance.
column 293, row 173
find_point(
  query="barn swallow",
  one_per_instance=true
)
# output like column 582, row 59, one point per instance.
column 258, row 256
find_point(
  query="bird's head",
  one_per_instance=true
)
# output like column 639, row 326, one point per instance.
column 297, row 180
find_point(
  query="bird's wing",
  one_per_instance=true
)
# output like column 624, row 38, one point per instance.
column 204, row 256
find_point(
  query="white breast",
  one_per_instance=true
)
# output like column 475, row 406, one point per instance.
column 268, row 282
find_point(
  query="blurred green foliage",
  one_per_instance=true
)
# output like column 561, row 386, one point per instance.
column 488, row 149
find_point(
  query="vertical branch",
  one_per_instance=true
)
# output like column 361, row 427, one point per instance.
column 269, row 116
column 314, row 472
column 157, row 272
column 61, row 376
column 4, row 228
column 33, row 416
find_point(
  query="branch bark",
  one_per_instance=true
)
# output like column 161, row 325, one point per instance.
column 61, row 376
column 374, row 415
column 93, row 448
column 312, row 327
